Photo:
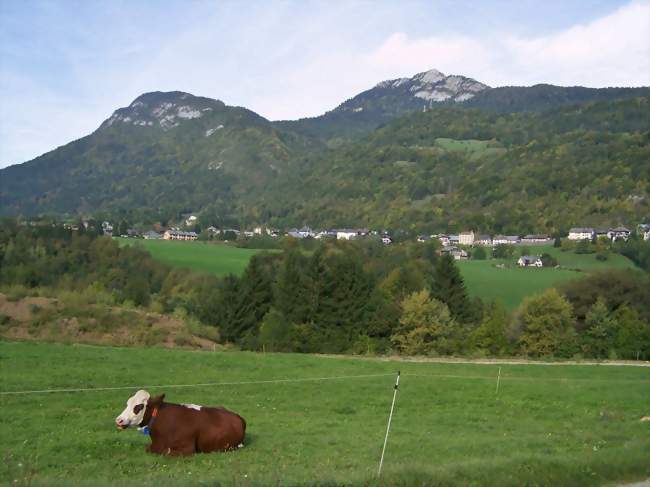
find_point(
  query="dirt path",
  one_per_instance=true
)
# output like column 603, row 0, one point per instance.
column 489, row 361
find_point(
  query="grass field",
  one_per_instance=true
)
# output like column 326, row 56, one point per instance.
column 483, row 279
column 215, row 258
column 512, row 284
column 548, row 425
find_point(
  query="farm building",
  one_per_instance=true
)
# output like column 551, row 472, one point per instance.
column 619, row 233
column 581, row 233
column 529, row 261
column 535, row 239
column 179, row 235
column 455, row 252
column 505, row 240
column 483, row 240
column 151, row 235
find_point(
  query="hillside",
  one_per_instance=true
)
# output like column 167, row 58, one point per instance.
column 164, row 153
column 453, row 168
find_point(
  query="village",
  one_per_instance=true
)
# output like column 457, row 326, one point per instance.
column 457, row 245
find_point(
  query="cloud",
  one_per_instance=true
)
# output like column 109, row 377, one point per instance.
column 60, row 78
column 611, row 51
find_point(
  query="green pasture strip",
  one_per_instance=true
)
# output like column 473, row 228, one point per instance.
column 214, row 258
column 560, row 425
column 509, row 285
column 512, row 284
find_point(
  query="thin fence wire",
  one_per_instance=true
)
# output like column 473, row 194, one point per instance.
column 204, row 384
column 314, row 379
column 534, row 379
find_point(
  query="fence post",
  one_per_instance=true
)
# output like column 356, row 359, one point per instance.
column 390, row 418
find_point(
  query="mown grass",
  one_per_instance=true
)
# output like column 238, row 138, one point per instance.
column 512, row 284
column 214, row 258
column 549, row 425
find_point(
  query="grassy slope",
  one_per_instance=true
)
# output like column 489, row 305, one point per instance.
column 513, row 284
column 550, row 425
column 219, row 259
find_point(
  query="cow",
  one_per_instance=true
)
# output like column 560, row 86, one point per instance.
column 182, row 429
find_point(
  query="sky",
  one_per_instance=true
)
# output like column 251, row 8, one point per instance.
column 65, row 66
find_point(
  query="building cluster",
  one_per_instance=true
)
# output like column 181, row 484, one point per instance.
column 613, row 234
column 450, row 242
column 472, row 239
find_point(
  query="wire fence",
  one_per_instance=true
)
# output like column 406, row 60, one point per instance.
column 204, row 384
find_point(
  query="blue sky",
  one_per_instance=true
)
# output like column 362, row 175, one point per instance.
column 66, row 65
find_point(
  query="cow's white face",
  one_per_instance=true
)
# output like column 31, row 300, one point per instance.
column 134, row 411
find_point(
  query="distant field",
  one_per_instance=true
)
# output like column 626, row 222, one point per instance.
column 549, row 425
column 513, row 284
column 474, row 147
column 215, row 258
column 483, row 279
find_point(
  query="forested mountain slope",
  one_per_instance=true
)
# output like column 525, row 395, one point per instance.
column 453, row 168
column 164, row 153
column 446, row 168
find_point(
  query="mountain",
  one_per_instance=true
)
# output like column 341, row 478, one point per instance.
column 386, row 101
column 164, row 153
column 427, row 152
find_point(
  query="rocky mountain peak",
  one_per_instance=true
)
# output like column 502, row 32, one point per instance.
column 163, row 109
column 406, row 94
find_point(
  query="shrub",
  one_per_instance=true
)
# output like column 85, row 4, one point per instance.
column 183, row 339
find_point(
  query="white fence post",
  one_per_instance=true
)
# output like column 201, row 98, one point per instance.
column 390, row 418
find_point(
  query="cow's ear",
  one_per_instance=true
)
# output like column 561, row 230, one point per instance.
column 157, row 400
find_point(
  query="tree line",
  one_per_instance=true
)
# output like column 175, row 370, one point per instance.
column 343, row 297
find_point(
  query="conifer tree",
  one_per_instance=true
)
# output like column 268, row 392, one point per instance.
column 448, row 286
column 291, row 292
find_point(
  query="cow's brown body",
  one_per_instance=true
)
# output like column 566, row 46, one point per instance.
column 180, row 430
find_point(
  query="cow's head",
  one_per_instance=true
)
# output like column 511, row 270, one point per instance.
column 133, row 414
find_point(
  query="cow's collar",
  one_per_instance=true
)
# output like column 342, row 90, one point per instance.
column 147, row 427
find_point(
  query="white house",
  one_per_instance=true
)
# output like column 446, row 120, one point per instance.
column 350, row 233
column 529, row 261
column 423, row 238
column 483, row 240
column 386, row 240
column 466, row 238
column 619, row 233
column 581, row 233
column 190, row 220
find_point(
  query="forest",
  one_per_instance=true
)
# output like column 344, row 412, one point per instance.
column 340, row 297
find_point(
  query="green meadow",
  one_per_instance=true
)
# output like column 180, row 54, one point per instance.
column 512, row 284
column 547, row 425
column 214, row 258
column 509, row 285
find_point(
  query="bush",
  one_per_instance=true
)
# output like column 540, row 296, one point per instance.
column 183, row 339
column 16, row 293
column 602, row 256
column 479, row 254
